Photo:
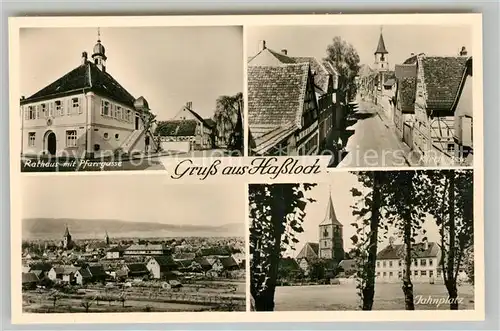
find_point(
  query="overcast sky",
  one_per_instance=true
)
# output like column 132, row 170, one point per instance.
column 342, row 199
column 132, row 198
column 400, row 40
column 169, row 66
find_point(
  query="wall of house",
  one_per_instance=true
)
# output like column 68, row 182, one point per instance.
column 421, row 129
column 423, row 270
column 463, row 121
column 110, row 129
column 181, row 146
column 57, row 115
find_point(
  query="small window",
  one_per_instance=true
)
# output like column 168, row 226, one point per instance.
column 117, row 136
column 423, row 262
column 423, row 273
column 415, row 272
column 384, row 264
column 31, row 139
column 59, row 108
column 430, row 262
column 31, row 113
column 43, row 108
column 75, row 103
column 400, row 263
column 390, row 273
column 378, row 273
column 106, row 135
column 71, row 138
column 390, row 264
column 384, row 274
column 105, row 108
column 431, row 273
column 378, row 264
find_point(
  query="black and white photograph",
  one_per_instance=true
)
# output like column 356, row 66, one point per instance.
column 131, row 244
column 125, row 98
column 366, row 95
column 378, row 240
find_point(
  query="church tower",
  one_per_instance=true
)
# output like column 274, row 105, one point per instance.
column 67, row 239
column 381, row 54
column 99, row 55
column 106, row 238
column 331, row 241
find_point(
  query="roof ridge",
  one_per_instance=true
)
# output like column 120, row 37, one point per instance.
column 303, row 90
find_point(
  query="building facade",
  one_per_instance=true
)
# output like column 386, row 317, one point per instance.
column 85, row 113
column 187, row 131
column 320, row 82
column 439, row 87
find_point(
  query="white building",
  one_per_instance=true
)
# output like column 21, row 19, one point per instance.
column 425, row 266
column 86, row 112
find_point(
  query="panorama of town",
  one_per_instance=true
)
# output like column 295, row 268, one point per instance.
column 188, row 274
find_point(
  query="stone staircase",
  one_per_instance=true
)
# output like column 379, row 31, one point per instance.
column 129, row 143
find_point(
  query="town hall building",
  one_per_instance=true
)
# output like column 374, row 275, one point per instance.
column 85, row 113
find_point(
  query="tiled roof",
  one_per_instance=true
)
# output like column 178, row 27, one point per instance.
column 117, row 249
column 405, row 70
column 395, row 252
column 309, row 251
column 85, row 273
column 146, row 247
column 203, row 262
column 97, row 271
column 184, row 256
column 41, row 266
column 407, row 90
column 86, row 77
column 281, row 57
column 321, row 74
column 228, row 262
column 29, row 277
column 276, row 95
column 177, row 128
column 137, row 268
column 443, row 77
column 164, row 260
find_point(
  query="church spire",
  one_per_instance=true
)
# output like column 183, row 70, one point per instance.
column 381, row 44
column 99, row 54
column 330, row 216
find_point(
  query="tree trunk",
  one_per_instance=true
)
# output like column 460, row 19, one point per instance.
column 451, row 285
column 369, row 289
column 407, row 284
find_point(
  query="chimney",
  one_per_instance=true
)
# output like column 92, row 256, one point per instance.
column 391, row 242
column 426, row 245
column 284, row 51
column 84, row 57
column 463, row 51
column 263, row 45
column 412, row 54
column 189, row 105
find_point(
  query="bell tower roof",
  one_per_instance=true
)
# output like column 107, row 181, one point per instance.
column 66, row 232
column 330, row 216
column 381, row 45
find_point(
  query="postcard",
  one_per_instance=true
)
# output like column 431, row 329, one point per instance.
column 246, row 168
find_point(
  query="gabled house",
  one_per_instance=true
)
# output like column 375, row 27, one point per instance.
column 29, row 280
column 308, row 254
column 282, row 110
column 186, row 131
column 146, row 250
column 161, row 266
column 136, row 270
column 86, row 112
column 115, row 252
column 65, row 274
column 425, row 267
column 325, row 84
column 90, row 274
column 440, row 82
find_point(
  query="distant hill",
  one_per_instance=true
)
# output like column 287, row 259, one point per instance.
column 53, row 228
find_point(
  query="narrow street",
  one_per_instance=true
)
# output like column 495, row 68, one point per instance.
column 372, row 141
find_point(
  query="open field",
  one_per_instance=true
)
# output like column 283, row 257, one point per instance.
column 344, row 297
column 199, row 296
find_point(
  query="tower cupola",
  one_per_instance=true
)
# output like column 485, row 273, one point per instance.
column 99, row 55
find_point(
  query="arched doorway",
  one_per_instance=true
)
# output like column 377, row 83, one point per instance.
column 51, row 143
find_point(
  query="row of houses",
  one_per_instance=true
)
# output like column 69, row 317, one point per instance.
column 156, row 267
column 429, row 100
column 291, row 104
